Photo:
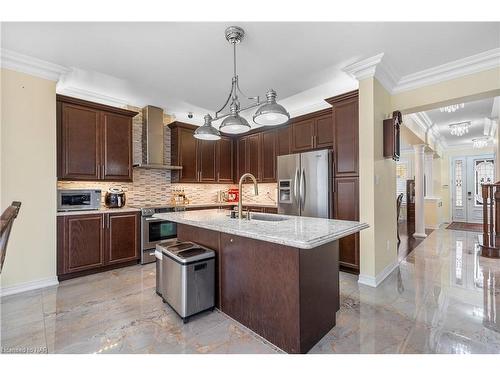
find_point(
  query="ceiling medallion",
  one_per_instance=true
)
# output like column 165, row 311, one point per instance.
column 480, row 142
column 459, row 129
column 269, row 112
column 452, row 108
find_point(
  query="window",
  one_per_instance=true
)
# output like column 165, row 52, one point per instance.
column 458, row 183
column 484, row 171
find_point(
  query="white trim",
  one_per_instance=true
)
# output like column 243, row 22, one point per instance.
column 27, row 286
column 93, row 96
column 375, row 67
column 364, row 68
column 377, row 280
column 31, row 65
column 419, row 235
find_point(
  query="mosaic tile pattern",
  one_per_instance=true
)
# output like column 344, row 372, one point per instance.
column 443, row 298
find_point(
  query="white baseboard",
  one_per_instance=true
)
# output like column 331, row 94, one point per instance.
column 375, row 281
column 419, row 235
column 27, row 286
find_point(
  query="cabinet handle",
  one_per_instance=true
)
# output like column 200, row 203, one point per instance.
column 102, row 166
column 108, row 221
column 312, row 140
column 103, row 219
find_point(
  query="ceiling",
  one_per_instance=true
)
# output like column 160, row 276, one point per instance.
column 188, row 66
column 479, row 113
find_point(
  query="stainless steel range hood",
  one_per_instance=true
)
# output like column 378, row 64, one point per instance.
column 152, row 140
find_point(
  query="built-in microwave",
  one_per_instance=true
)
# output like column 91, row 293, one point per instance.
column 78, row 200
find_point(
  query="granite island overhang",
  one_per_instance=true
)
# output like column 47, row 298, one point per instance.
column 278, row 278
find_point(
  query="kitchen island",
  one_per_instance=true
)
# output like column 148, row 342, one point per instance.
column 276, row 274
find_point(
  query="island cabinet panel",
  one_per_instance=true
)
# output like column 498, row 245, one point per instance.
column 94, row 141
column 346, row 207
column 122, row 237
column 116, row 147
column 207, row 151
column 225, row 160
column 207, row 238
column 93, row 243
column 260, row 288
column 80, row 142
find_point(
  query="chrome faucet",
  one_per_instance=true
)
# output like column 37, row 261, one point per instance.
column 256, row 192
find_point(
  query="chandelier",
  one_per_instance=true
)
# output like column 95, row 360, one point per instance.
column 269, row 112
column 480, row 142
column 452, row 108
column 459, row 129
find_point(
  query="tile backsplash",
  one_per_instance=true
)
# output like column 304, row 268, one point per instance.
column 153, row 186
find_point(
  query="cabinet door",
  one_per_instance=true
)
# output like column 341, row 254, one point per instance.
column 253, row 155
column 225, row 160
column 283, row 141
column 268, row 157
column 207, row 161
column 345, row 124
column 80, row 143
column 303, row 135
column 241, row 158
column 83, row 244
column 346, row 208
column 324, row 132
column 122, row 237
column 187, row 149
column 116, row 147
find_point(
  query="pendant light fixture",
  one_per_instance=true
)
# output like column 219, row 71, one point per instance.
column 207, row 132
column 269, row 113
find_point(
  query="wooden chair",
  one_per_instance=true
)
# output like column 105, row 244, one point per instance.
column 6, row 221
column 399, row 199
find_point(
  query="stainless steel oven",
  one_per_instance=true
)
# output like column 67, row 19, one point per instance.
column 155, row 231
column 75, row 200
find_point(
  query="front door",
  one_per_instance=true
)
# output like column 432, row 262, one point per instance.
column 468, row 175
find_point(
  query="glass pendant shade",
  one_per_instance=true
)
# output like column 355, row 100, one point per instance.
column 271, row 113
column 207, row 131
column 234, row 124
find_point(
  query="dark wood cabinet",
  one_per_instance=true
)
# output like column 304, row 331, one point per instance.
column 207, row 151
column 254, row 155
column 79, row 141
column 346, row 208
column 392, row 145
column 268, row 156
column 94, row 141
column 201, row 161
column 312, row 131
column 225, row 170
column 241, row 159
column 96, row 242
column 116, row 147
column 302, row 135
column 345, row 116
column 122, row 237
column 283, row 140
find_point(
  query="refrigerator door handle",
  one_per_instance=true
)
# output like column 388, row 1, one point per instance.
column 303, row 188
column 296, row 187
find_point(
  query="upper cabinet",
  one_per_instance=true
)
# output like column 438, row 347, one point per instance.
column 345, row 124
column 201, row 161
column 283, row 140
column 94, row 141
column 312, row 131
column 257, row 155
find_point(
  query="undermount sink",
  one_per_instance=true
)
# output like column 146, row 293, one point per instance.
column 261, row 217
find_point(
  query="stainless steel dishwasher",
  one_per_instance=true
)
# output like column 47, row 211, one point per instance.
column 188, row 278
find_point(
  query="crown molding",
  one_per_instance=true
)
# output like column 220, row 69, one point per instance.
column 455, row 69
column 93, row 96
column 31, row 65
column 364, row 68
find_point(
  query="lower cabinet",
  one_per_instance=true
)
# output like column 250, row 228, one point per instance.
column 346, row 208
column 96, row 242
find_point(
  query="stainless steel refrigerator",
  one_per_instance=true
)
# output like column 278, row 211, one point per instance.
column 305, row 184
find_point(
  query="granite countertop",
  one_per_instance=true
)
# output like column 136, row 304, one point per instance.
column 214, row 204
column 296, row 231
column 99, row 211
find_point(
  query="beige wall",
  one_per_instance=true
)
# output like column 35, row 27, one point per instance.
column 377, row 200
column 28, row 174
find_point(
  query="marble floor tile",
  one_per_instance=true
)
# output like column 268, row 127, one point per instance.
column 442, row 298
